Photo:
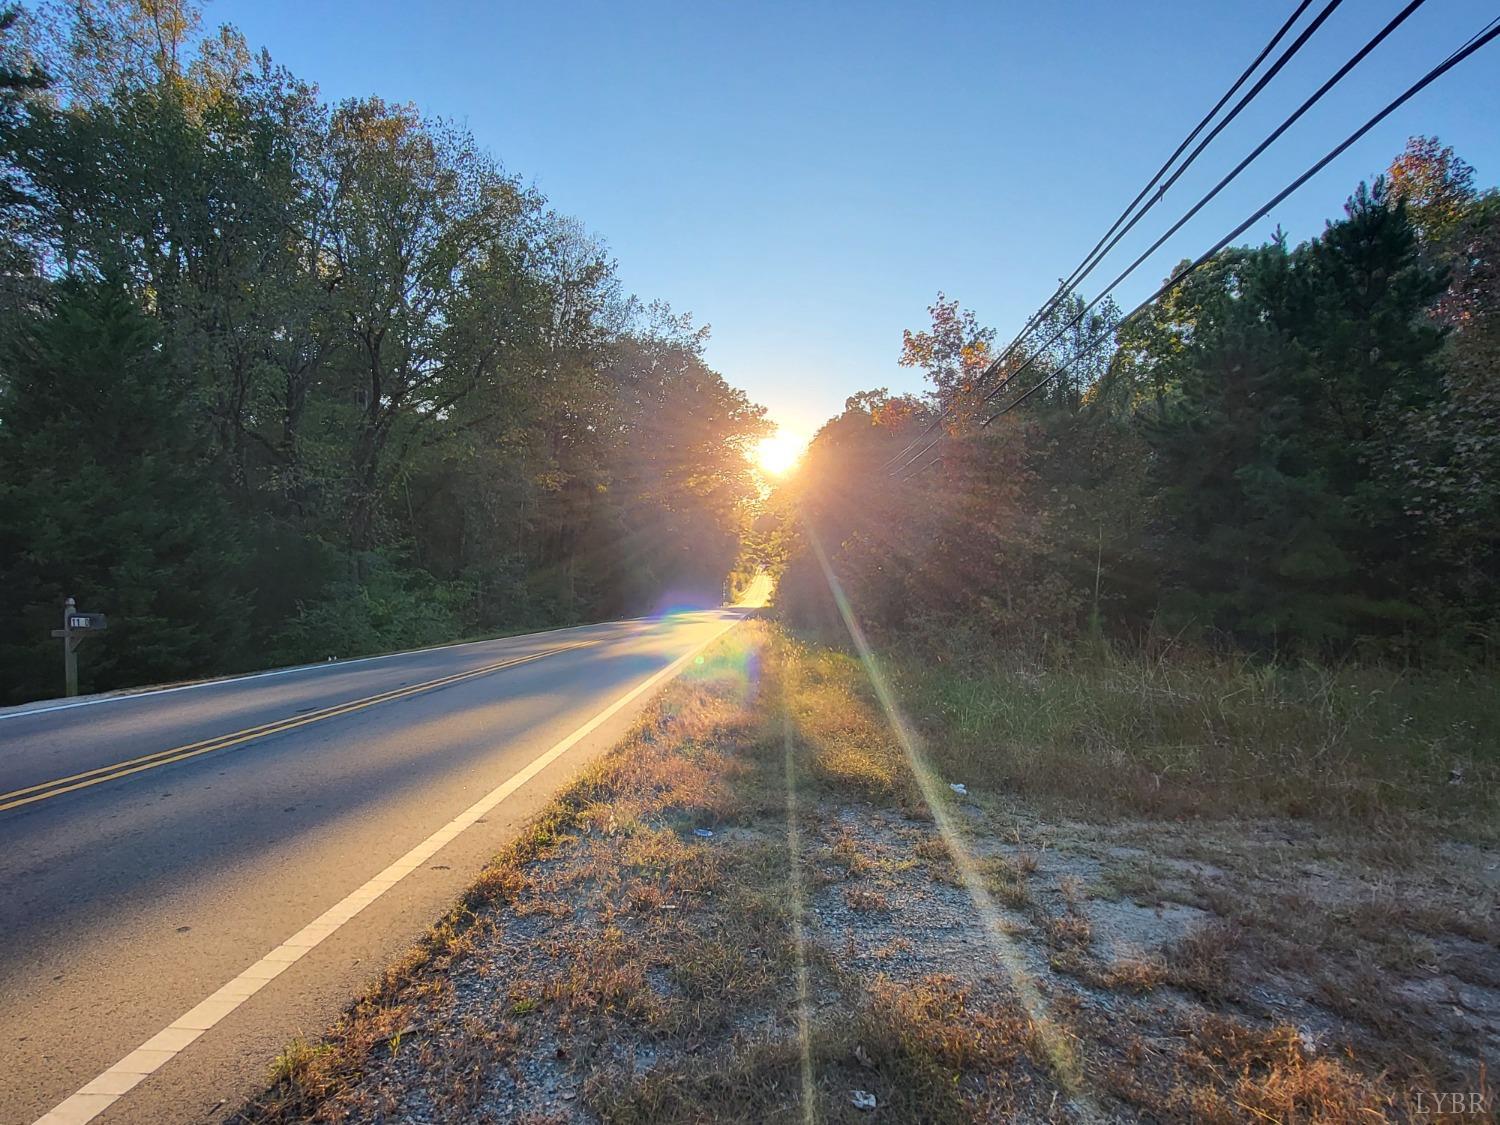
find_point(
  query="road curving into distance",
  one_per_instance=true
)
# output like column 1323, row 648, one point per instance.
column 192, row 877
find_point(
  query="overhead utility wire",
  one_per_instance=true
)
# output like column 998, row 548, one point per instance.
column 1484, row 37
column 1092, row 258
column 1312, row 100
column 1101, row 250
column 1296, row 115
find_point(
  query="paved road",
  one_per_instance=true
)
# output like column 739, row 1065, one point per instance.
column 160, row 852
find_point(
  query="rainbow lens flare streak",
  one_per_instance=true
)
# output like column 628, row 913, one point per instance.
column 1056, row 1040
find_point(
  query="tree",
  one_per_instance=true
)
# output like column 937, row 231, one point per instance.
column 1294, row 448
column 1436, row 187
column 953, row 353
column 18, row 73
column 1296, row 376
column 1451, row 453
column 104, row 496
column 683, row 482
column 21, row 80
column 423, row 239
column 416, row 394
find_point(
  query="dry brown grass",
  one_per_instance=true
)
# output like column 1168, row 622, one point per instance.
column 845, row 852
column 1135, row 973
column 847, row 750
column 1224, row 1071
column 863, row 900
column 934, row 849
column 1202, row 962
column 927, row 1050
column 937, row 1019
column 1231, row 1070
column 1070, row 929
column 1006, row 879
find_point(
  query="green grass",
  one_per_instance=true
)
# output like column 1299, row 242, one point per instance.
column 1193, row 734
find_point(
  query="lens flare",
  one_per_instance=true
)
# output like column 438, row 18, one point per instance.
column 1061, row 1050
column 799, row 939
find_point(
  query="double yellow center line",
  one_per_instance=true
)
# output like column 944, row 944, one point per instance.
column 61, row 785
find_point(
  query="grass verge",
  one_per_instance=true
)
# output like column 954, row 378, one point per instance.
column 1177, row 733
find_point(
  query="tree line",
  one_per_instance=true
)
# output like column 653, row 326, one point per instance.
column 282, row 379
column 1295, row 450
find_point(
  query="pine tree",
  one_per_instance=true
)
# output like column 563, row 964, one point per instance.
column 106, row 495
column 1301, row 372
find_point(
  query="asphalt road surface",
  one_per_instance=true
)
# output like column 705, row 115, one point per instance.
column 190, row 878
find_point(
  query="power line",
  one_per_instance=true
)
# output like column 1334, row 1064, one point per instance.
column 1094, row 256
column 1307, row 104
column 1213, row 192
column 1485, row 36
column 1100, row 250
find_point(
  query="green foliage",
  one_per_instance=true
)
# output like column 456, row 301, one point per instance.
column 1295, row 450
column 107, row 494
column 1163, row 731
column 386, row 609
column 403, row 399
column 1285, row 518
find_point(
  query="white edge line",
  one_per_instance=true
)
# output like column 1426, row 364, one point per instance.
column 101, row 1093
column 22, row 710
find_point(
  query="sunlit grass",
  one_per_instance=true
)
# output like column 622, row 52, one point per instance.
column 799, row 933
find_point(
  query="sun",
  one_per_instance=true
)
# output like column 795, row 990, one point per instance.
column 778, row 454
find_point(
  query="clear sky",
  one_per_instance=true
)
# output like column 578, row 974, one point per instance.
column 806, row 176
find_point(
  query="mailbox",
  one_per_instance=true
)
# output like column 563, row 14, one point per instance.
column 75, row 627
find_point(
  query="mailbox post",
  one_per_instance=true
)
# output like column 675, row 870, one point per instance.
column 76, row 626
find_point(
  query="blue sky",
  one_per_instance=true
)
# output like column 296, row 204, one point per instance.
column 806, row 176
